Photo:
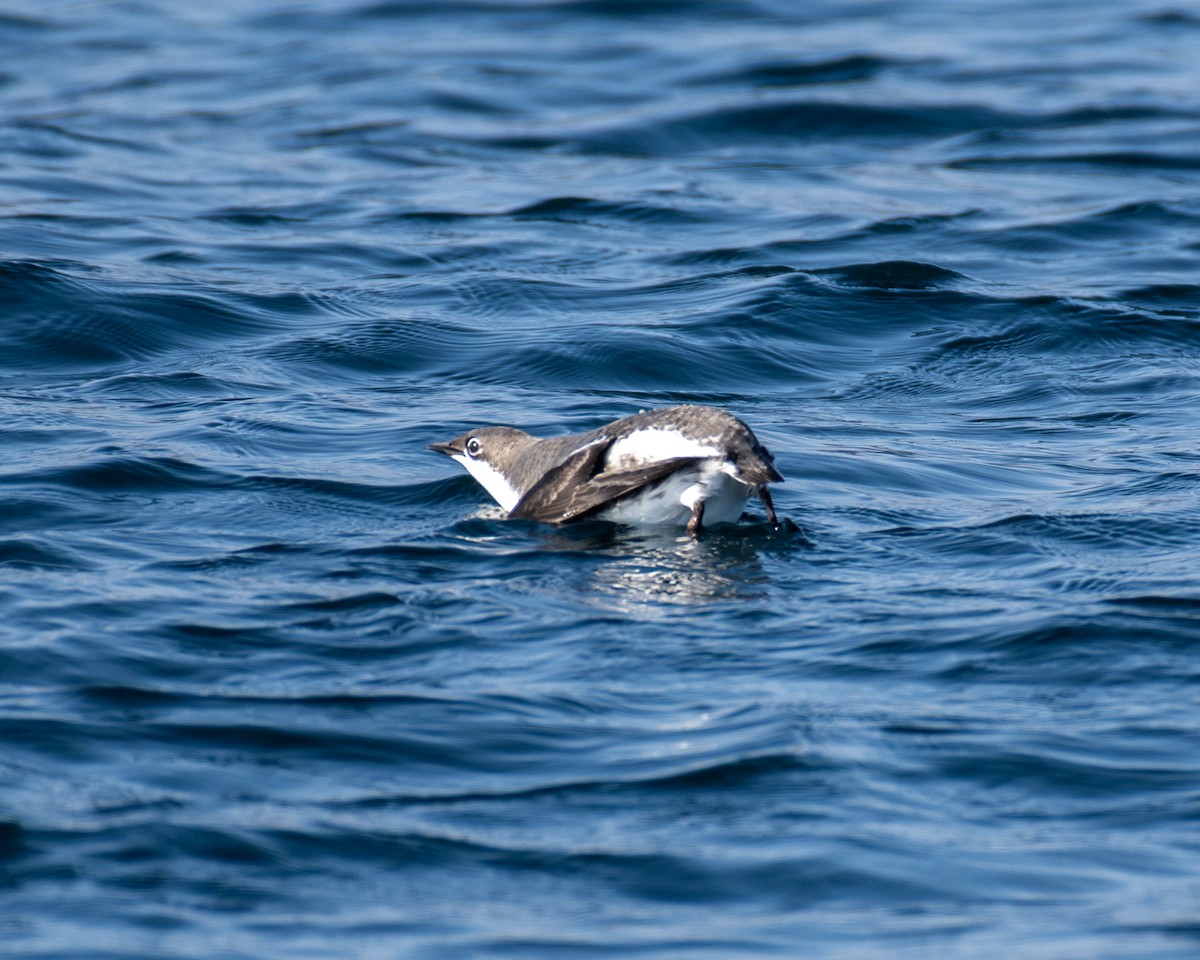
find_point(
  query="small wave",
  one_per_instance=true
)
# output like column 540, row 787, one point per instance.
column 1115, row 532
column 128, row 474
column 1177, row 296
column 800, row 121
column 382, row 494
column 386, row 347
column 1063, row 767
column 585, row 209
column 61, row 321
column 20, row 23
column 788, row 73
column 1073, row 327
column 1126, row 223
column 178, row 385
column 1184, row 605
column 1111, row 159
column 719, row 10
column 894, row 275
column 1171, row 18
column 31, row 554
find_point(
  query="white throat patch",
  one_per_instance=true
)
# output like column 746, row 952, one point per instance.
column 492, row 480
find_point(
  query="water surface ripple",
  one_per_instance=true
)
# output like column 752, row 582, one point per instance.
column 275, row 682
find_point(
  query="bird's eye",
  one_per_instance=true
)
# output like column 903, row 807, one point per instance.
column 474, row 447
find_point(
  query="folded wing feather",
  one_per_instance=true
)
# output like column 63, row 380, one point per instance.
column 575, row 488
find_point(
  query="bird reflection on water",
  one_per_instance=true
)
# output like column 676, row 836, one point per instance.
column 640, row 569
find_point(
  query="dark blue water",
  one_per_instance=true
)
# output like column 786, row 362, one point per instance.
column 276, row 683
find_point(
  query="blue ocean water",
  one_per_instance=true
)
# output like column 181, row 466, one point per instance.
column 275, row 682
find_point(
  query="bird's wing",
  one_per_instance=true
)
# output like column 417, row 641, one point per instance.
column 574, row 489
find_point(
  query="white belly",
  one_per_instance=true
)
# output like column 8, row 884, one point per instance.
column 669, row 503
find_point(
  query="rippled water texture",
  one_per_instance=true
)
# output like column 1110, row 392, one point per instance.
column 276, row 683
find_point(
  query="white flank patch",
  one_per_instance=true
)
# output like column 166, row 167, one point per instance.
column 724, row 496
column 669, row 503
column 661, row 505
column 492, row 480
column 646, row 446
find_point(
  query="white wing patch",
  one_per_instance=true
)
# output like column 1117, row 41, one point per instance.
column 492, row 480
column 655, row 443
